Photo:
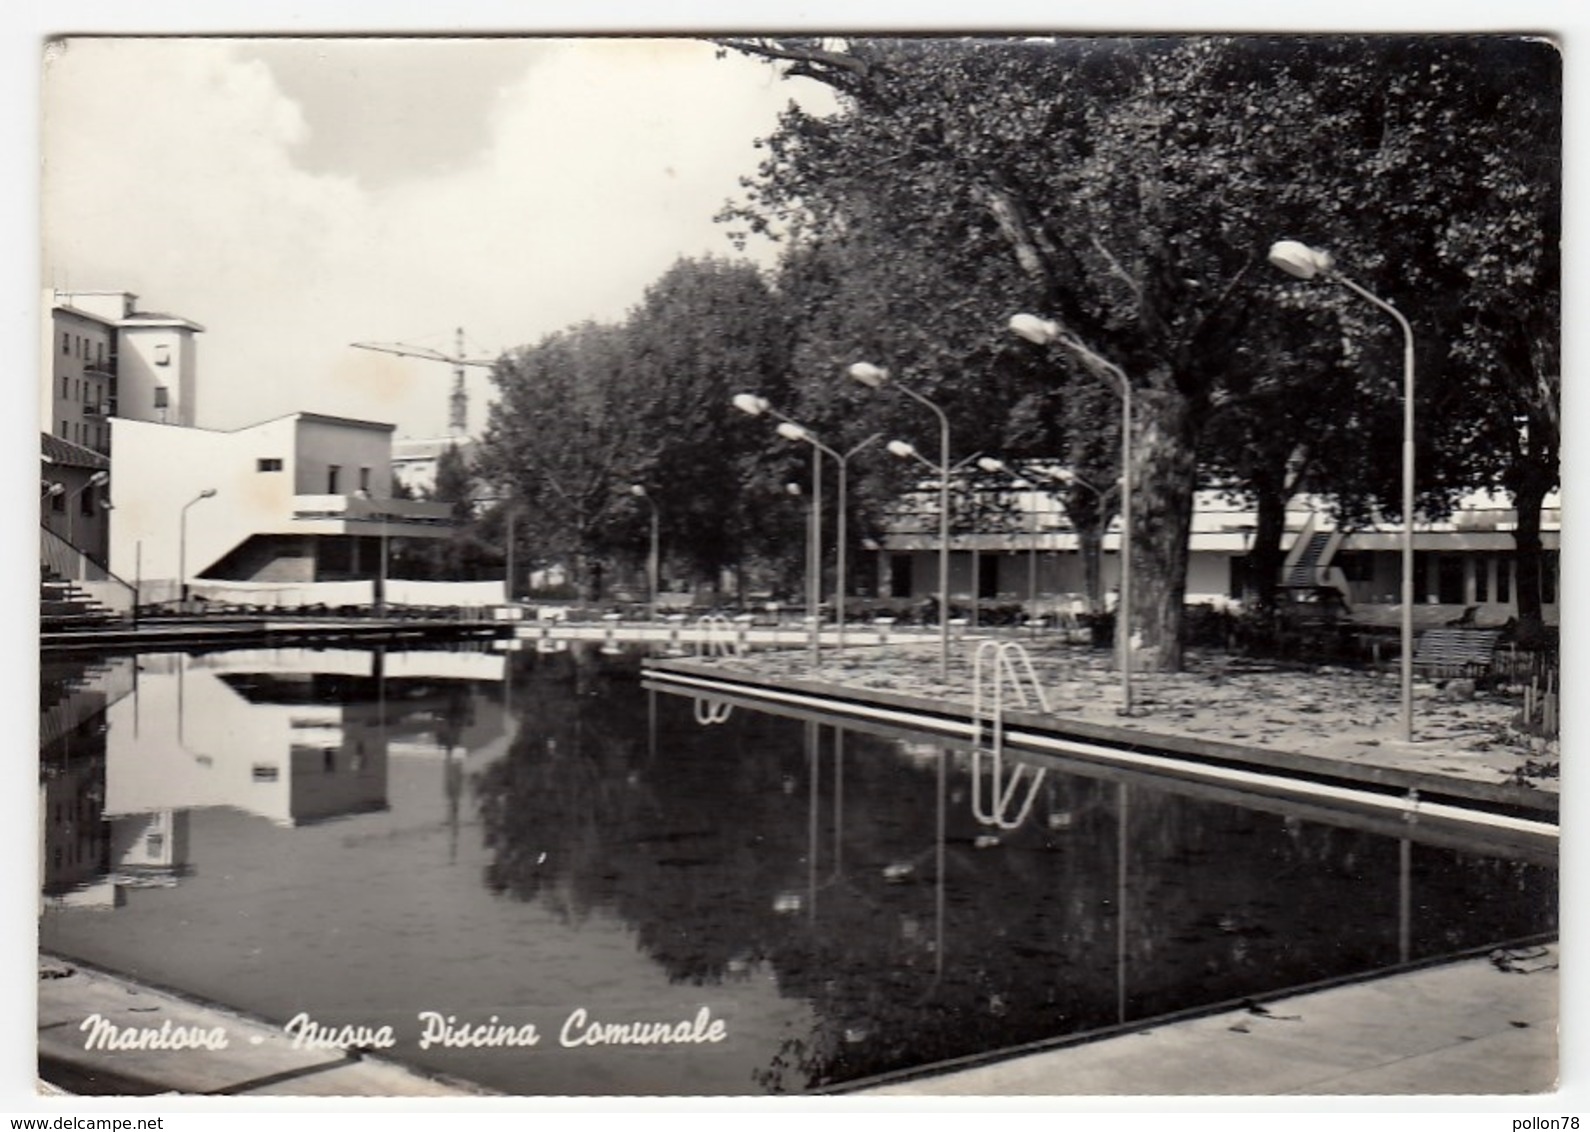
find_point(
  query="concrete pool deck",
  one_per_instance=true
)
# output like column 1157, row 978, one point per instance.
column 1475, row 1026
column 258, row 1058
column 1341, row 721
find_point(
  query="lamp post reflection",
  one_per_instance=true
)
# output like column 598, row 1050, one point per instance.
column 1123, row 816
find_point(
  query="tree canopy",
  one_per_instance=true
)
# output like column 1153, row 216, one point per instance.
column 1137, row 182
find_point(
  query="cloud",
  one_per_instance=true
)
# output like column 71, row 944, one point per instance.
column 172, row 170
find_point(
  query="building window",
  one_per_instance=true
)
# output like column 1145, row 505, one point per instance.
column 1504, row 579
column 1482, row 578
column 333, row 475
column 66, row 433
column 162, row 355
column 162, row 397
column 1449, row 579
column 1356, row 565
column 58, row 501
column 66, row 343
column 66, row 388
column 364, row 480
column 155, row 844
column 1548, row 577
column 88, row 501
column 269, row 464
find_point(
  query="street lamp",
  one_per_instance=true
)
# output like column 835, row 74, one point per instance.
column 1042, row 331
column 182, row 545
column 875, row 377
column 95, row 480
column 813, row 585
column 1303, row 262
column 639, row 492
column 789, row 429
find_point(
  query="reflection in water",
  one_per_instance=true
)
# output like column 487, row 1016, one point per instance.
column 295, row 736
column 839, row 898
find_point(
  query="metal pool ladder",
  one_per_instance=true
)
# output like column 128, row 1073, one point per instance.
column 718, row 635
column 995, row 666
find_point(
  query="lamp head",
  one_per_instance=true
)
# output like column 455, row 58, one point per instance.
column 637, row 490
column 98, row 478
column 789, row 430
column 989, row 464
column 873, row 377
column 1299, row 260
column 792, row 489
column 901, row 449
column 752, row 404
column 207, row 493
column 1039, row 331
column 54, row 488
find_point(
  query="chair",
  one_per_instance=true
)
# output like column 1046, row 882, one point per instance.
column 1456, row 652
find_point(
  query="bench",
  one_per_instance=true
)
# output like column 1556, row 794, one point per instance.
column 1456, row 652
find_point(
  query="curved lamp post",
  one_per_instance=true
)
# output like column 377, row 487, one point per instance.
column 812, row 584
column 639, row 492
column 95, row 480
column 876, row 377
column 182, row 544
column 789, row 429
column 1303, row 262
column 1041, row 331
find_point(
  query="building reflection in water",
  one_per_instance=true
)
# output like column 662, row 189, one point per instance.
column 295, row 736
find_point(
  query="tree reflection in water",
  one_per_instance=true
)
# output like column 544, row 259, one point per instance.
column 851, row 870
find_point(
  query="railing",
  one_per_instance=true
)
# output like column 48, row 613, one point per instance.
column 1013, row 667
column 719, row 636
column 66, row 562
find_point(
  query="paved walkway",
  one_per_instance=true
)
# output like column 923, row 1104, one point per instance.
column 1479, row 1026
column 1465, row 1028
column 258, row 1059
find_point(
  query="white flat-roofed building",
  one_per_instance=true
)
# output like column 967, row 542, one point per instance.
column 1463, row 561
column 302, row 498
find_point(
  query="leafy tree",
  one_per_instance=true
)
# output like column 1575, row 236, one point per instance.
column 589, row 413
column 707, row 330
column 464, row 553
column 1136, row 184
column 560, row 443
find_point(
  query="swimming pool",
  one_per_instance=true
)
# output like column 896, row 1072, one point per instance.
column 680, row 899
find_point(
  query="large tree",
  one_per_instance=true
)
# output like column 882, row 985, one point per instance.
column 560, row 444
column 705, row 331
column 1137, row 184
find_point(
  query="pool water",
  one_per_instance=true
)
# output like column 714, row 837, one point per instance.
column 366, row 837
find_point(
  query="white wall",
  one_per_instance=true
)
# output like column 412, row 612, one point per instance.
column 159, row 468
column 137, row 374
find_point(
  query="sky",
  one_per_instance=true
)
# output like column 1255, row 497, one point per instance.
column 296, row 195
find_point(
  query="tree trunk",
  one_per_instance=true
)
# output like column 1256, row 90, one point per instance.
column 1165, row 475
column 1528, row 496
column 1090, row 544
column 1266, row 556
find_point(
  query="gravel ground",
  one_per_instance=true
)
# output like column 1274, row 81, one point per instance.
column 1335, row 712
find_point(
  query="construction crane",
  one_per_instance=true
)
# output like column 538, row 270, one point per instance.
column 458, row 400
